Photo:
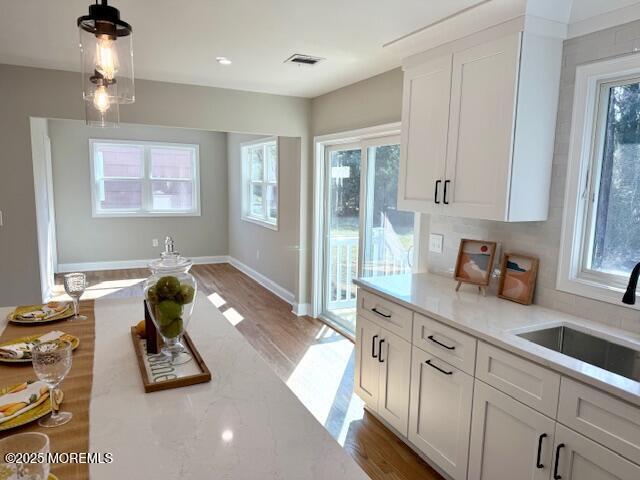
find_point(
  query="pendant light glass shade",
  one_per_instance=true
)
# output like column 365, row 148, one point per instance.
column 106, row 48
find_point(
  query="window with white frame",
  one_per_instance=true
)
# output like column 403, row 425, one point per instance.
column 601, row 239
column 131, row 178
column 260, row 182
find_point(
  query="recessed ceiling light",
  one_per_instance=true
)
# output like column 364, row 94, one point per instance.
column 223, row 60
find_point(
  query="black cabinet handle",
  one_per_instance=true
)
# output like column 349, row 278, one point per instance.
column 375, row 310
column 435, row 195
column 430, row 337
column 542, row 437
column 428, row 362
column 380, row 351
column 373, row 346
column 446, row 183
column 555, row 467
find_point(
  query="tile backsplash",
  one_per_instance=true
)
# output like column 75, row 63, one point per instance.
column 543, row 238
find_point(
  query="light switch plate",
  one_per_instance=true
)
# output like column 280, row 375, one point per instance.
column 435, row 243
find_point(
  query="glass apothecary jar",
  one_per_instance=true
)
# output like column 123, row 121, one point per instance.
column 170, row 293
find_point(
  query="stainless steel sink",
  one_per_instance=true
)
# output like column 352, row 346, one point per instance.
column 596, row 351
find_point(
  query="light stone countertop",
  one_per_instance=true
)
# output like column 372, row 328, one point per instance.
column 245, row 424
column 496, row 321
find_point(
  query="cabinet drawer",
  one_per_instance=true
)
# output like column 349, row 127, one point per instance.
column 532, row 384
column 601, row 417
column 393, row 317
column 451, row 345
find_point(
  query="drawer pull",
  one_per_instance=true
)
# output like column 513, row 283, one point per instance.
column 428, row 362
column 542, row 437
column 555, row 467
column 430, row 337
column 373, row 346
column 380, row 351
column 375, row 310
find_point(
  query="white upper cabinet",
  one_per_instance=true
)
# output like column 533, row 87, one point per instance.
column 496, row 105
column 484, row 85
column 425, row 126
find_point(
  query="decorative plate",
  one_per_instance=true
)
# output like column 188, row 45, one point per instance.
column 75, row 342
column 14, row 317
column 42, row 408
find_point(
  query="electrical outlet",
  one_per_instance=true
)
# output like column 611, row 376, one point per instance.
column 435, row 243
column 154, row 242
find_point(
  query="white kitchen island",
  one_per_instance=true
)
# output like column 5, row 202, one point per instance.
column 244, row 425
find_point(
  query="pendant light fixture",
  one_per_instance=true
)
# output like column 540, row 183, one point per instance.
column 106, row 48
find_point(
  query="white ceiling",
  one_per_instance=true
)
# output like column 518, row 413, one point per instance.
column 178, row 41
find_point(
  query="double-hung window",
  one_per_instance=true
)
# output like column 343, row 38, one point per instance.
column 260, row 182
column 132, row 178
column 601, row 237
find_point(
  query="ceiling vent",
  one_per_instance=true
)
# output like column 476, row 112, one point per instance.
column 298, row 59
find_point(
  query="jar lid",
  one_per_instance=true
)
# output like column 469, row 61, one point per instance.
column 170, row 259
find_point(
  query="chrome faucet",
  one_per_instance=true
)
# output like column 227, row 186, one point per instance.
column 630, row 295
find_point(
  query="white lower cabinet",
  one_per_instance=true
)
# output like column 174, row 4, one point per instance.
column 440, row 412
column 504, row 424
column 383, row 372
column 395, row 377
column 578, row 458
column 509, row 440
column 367, row 375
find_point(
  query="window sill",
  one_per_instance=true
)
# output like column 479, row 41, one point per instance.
column 145, row 214
column 595, row 291
column 262, row 223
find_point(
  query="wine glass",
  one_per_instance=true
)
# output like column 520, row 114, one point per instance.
column 52, row 362
column 30, row 443
column 75, row 285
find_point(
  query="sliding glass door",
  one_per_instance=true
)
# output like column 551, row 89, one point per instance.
column 342, row 233
column 388, row 232
column 364, row 232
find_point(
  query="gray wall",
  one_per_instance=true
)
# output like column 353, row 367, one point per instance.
column 374, row 101
column 30, row 92
column 272, row 253
column 82, row 238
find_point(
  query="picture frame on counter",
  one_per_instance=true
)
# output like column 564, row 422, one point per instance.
column 474, row 264
column 518, row 274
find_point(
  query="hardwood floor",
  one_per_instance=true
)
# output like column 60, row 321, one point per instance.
column 315, row 361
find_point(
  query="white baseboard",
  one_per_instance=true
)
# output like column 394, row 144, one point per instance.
column 123, row 264
column 266, row 282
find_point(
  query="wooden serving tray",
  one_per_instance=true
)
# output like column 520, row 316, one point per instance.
column 158, row 374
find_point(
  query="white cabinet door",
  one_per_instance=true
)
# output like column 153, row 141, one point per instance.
column 483, row 104
column 425, row 125
column 440, row 412
column 579, row 458
column 367, row 366
column 508, row 439
column 395, row 379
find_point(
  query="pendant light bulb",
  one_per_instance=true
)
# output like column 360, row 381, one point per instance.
column 106, row 57
column 101, row 99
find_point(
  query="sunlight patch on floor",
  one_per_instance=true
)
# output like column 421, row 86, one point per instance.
column 216, row 299
column 233, row 316
column 355, row 412
column 313, row 382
